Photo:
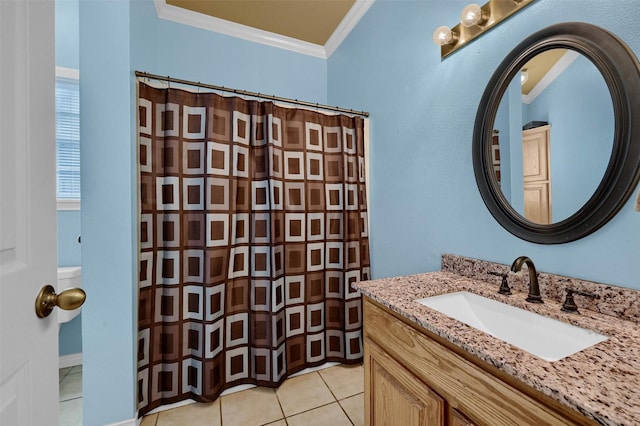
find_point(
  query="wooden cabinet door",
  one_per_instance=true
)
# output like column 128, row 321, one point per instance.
column 456, row 418
column 394, row 396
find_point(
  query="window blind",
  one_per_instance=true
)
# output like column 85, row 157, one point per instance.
column 67, row 138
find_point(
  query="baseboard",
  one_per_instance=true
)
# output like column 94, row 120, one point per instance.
column 130, row 422
column 174, row 405
column 70, row 360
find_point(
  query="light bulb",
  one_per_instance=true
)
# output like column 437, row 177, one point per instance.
column 524, row 76
column 471, row 15
column 443, row 35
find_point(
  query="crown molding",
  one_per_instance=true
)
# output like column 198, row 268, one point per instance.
column 553, row 73
column 206, row 22
column 210, row 23
column 348, row 23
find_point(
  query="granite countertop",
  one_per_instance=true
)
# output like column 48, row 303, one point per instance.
column 600, row 382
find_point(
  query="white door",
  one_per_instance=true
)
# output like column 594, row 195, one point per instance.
column 28, row 345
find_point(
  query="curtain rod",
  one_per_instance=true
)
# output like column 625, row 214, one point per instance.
column 247, row 93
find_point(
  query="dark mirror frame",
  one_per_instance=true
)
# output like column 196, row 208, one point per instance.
column 621, row 71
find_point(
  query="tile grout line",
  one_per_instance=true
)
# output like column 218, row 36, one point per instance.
column 285, row 418
column 219, row 398
column 310, row 409
column 275, row 391
column 158, row 418
column 336, row 399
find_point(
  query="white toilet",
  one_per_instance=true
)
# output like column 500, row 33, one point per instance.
column 68, row 277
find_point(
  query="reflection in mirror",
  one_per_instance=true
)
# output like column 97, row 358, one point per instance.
column 621, row 71
column 549, row 171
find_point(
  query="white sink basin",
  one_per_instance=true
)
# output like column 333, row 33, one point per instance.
column 544, row 337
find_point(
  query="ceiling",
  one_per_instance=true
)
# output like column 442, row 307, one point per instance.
column 311, row 21
column 540, row 66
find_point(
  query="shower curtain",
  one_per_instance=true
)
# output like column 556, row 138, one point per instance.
column 252, row 229
column 495, row 153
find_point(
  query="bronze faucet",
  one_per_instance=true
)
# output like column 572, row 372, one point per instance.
column 534, row 288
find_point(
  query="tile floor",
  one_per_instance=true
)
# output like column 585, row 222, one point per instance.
column 330, row 397
column 71, row 396
column 333, row 396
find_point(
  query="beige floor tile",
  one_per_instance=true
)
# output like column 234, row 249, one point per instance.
column 71, row 412
column 344, row 380
column 330, row 414
column 71, row 387
column 303, row 393
column 251, row 407
column 354, row 407
column 149, row 420
column 197, row 414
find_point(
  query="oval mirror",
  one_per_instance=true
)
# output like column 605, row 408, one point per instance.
column 553, row 145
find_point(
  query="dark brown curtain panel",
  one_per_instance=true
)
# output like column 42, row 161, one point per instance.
column 252, row 229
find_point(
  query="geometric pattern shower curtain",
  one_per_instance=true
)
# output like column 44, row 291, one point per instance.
column 252, row 230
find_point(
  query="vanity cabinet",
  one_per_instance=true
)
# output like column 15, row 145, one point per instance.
column 414, row 377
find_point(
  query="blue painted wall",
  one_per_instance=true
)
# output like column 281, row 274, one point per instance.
column 578, row 106
column 514, row 158
column 69, row 252
column 168, row 48
column 108, row 251
column 117, row 38
column 67, row 33
column 424, row 199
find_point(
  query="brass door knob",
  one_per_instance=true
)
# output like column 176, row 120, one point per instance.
column 68, row 300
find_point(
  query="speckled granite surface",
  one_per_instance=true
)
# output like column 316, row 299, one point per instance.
column 619, row 302
column 602, row 381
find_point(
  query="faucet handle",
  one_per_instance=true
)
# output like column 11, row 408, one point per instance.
column 504, row 287
column 569, row 304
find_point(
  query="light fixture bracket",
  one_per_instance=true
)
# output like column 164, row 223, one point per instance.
column 495, row 11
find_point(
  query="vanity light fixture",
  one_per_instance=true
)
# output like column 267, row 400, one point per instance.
column 443, row 35
column 472, row 15
column 474, row 21
column 524, row 76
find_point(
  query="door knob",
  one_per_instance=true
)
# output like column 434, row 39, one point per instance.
column 68, row 300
